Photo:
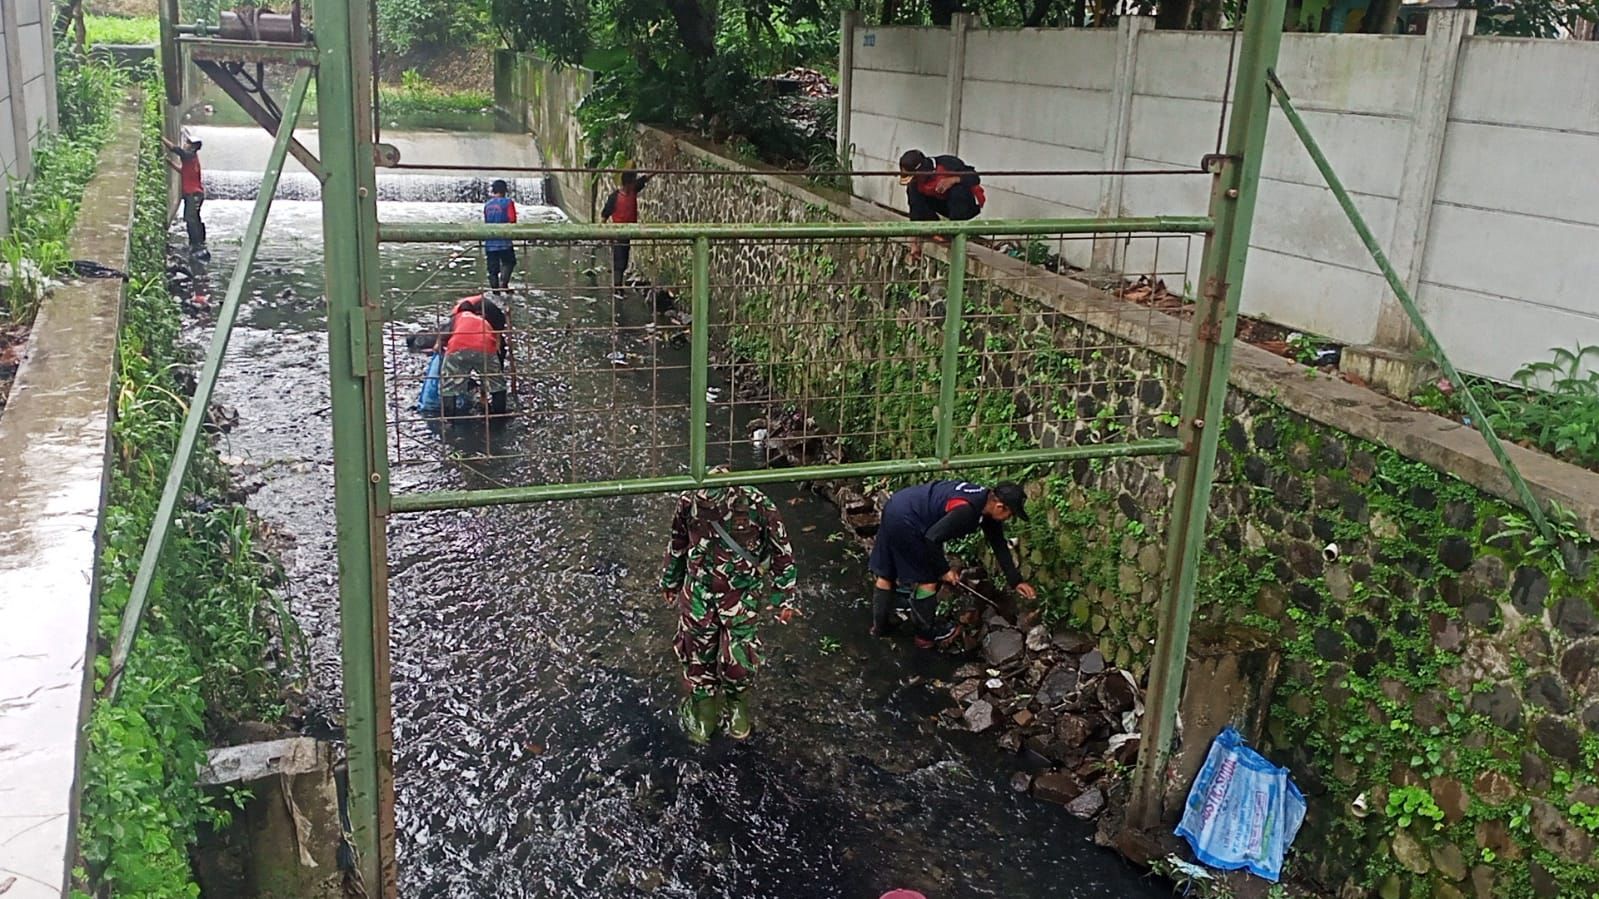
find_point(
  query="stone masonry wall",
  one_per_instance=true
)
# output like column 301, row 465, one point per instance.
column 1437, row 701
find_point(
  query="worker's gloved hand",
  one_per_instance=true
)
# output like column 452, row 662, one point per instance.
column 1026, row 591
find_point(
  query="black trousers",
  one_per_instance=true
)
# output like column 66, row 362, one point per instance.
column 621, row 252
column 501, row 264
column 958, row 204
column 191, row 218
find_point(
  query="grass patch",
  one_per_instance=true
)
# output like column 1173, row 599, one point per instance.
column 43, row 209
column 121, row 30
column 415, row 95
column 201, row 659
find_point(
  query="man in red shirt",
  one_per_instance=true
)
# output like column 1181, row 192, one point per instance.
column 940, row 187
column 622, row 207
column 473, row 344
column 192, row 188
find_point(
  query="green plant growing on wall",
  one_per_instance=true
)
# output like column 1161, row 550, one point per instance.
column 1409, row 804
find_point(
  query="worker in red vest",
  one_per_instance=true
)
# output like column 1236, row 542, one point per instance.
column 621, row 207
column 940, row 187
column 192, row 189
column 472, row 346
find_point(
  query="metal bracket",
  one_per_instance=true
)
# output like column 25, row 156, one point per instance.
column 385, row 155
column 1213, row 162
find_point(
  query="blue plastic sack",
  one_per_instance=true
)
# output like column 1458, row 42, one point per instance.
column 427, row 399
column 1242, row 811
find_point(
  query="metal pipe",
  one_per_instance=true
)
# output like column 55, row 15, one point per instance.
column 796, row 173
column 1232, row 205
column 949, row 368
column 360, row 457
column 442, row 232
column 535, row 493
column 699, row 362
column 199, row 404
column 1402, row 293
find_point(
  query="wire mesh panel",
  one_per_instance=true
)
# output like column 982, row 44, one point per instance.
column 821, row 350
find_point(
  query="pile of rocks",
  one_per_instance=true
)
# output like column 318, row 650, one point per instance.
column 1071, row 718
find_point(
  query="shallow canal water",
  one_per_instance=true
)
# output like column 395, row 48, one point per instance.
column 537, row 753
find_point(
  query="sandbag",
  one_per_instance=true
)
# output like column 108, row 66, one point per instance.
column 1242, row 811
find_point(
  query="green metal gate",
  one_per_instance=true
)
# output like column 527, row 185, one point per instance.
column 929, row 321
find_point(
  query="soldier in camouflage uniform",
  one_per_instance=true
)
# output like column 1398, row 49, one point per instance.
column 715, row 586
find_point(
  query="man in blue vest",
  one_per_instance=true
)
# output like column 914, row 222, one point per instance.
column 909, row 548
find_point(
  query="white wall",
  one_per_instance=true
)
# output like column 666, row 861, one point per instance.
column 27, row 86
column 1510, row 133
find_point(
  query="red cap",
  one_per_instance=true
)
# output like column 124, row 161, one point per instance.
column 903, row 894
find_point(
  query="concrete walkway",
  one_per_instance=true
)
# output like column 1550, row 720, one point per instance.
column 54, row 454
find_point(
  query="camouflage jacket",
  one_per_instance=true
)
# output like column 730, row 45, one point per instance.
column 699, row 555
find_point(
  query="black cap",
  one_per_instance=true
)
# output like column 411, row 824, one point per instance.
column 914, row 161
column 1010, row 493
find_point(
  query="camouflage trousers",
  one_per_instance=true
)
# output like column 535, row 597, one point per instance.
column 716, row 640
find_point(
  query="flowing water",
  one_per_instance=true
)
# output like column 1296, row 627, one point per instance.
column 537, row 753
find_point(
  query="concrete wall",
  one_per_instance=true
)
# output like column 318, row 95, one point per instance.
column 542, row 98
column 1466, row 155
column 27, row 86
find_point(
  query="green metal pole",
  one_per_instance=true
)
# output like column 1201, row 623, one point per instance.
column 950, row 368
column 536, row 493
column 360, row 460
column 700, row 363
column 1513, row 474
column 1232, row 205
column 200, row 403
column 460, row 232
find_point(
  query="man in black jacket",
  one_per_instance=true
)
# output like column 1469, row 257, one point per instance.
column 909, row 548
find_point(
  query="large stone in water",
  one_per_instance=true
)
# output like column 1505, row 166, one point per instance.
column 1089, row 804
column 1002, row 646
column 1073, row 730
column 1057, row 685
column 979, row 716
column 1093, row 663
column 1073, row 641
column 1057, row 786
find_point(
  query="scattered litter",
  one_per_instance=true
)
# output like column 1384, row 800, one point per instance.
column 617, row 358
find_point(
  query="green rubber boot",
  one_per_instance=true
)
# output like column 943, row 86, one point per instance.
column 701, row 715
column 738, row 717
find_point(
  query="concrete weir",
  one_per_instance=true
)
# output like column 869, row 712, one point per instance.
column 54, row 452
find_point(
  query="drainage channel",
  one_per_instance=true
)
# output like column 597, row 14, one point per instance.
column 536, row 748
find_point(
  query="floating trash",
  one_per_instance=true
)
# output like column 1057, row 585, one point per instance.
column 758, row 438
column 616, row 358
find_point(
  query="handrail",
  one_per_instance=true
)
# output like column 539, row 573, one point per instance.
column 448, row 232
column 161, row 525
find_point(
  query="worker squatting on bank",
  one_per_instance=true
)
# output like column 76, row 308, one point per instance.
column 909, row 548
column 940, row 187
column 728, row 545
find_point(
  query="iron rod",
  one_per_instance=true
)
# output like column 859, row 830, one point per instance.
column 454, row 232
column 950, row 364
column 534, row 493
column 360, row 457
column 200, row 403
column 1402, row 293
column 795, row 173
column 699, row 370
column 1234, row 190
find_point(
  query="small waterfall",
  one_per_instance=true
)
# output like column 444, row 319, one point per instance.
column 392, row 186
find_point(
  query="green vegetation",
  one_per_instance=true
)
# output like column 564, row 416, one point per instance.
column 1553, row 406
column 407, row 25
column 122, row 30
column 200, row 662
column 415, row 96
column 43, row 210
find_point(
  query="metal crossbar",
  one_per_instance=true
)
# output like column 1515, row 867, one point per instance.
column 835, row 354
